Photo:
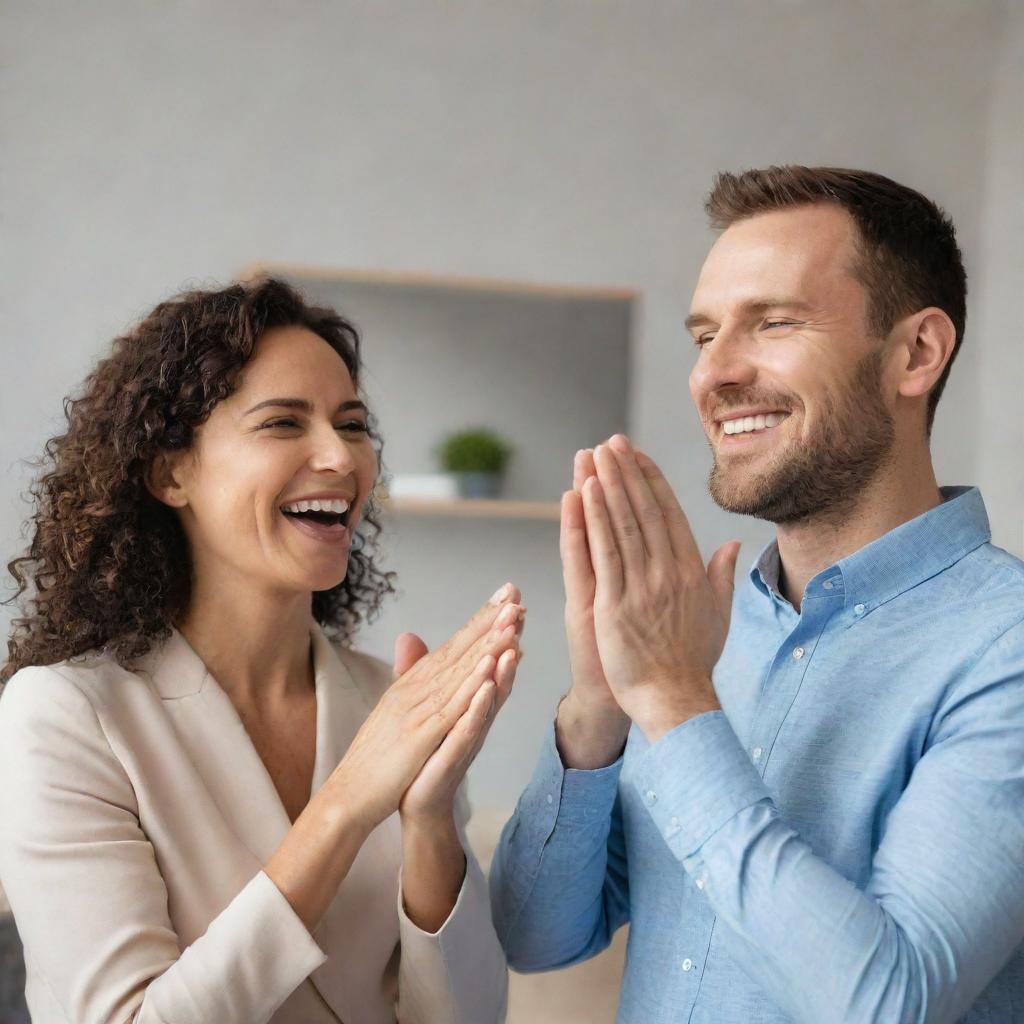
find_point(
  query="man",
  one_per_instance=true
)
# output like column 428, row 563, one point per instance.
column 814, row 813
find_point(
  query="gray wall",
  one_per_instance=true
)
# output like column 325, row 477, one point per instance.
column 147, row 146
column 998, row 277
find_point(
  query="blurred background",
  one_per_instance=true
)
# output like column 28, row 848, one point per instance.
column 507, row 199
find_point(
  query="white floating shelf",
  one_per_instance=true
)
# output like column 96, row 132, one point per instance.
column 473, row 508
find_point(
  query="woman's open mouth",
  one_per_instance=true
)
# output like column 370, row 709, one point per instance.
column 324, row 520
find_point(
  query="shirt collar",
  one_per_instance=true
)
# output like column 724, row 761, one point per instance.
column 900, row 559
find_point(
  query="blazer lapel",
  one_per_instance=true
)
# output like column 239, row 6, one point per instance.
column 220, row 749
column 360, row 925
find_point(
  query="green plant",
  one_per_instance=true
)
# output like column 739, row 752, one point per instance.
column 476, row 450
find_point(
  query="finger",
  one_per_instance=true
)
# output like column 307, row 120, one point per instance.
column 504, row 677
column 624, row 526
column 604, row 552
column 442, row 712
column 466, row 737
column 409, row 648
column 722, row 574
column 478, row 626
column 646, row 507
column 582, row 467
column 577, row 571
column 501, row 636
column 680, row 534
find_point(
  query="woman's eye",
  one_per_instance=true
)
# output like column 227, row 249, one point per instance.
column 351, row 426
column 703, row 339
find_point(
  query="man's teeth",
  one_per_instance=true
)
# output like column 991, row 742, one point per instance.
column 745, row 424
column 339, row 506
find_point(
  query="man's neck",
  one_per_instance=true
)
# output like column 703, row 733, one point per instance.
column 898, row 493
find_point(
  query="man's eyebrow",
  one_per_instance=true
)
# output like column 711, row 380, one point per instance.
column 753, row 308
column 303, row 405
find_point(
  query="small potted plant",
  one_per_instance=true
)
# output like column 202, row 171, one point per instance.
column 478, row 458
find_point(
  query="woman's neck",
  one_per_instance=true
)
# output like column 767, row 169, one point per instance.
column 256, row 645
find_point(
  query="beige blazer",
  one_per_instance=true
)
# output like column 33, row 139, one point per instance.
column 135, row 816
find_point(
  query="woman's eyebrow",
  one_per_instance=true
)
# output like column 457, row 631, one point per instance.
column 305, row 406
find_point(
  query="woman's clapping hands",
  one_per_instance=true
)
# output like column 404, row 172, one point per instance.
column 416, row 745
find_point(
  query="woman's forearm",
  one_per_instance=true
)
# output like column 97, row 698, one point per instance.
column 317, row 853
column 433, row 869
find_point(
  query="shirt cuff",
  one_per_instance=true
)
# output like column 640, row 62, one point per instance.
column 568, row 796
column 695, row 779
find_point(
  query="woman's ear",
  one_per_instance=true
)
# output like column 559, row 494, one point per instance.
column 163, row 479
column 929, row 338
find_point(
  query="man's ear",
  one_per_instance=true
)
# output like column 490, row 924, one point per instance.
column 163, row 479
column 928, row 339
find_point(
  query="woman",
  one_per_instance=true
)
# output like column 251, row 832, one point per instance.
column 199, row 778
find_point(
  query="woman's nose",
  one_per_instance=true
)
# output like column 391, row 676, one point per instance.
column 332, row 451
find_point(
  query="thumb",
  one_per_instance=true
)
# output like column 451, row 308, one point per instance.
column 409, row 648
column 721, row 573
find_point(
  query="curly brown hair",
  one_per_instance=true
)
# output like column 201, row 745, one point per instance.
column 108, row 564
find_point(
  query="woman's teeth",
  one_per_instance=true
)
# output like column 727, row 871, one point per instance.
column 337, row 506
column 746, row 424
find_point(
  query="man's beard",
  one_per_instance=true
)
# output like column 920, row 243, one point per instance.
column 824, row 478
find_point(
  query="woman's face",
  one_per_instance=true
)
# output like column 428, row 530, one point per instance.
column 294, row 431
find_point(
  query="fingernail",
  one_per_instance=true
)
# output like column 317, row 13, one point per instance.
column 620, row 442
column 500, row 594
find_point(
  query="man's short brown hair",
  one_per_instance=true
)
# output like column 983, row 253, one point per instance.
column 908, row 257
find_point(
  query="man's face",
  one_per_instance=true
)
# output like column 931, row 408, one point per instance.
column 788, row 381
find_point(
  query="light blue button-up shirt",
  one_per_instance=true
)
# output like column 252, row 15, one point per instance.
column 844, row 841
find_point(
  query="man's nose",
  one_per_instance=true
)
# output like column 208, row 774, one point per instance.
column 725, row 361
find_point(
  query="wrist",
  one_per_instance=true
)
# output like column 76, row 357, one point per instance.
column 348, row 808
column 589, row 734
column 429, row 823
column 666, row 709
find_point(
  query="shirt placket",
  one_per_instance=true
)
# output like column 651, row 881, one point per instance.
column 789, row 668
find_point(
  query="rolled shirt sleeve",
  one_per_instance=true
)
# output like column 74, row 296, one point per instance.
column 943, row 909
column 559, row 887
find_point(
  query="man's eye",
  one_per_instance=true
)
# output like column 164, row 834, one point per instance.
column 703, row 339
column 779, row 323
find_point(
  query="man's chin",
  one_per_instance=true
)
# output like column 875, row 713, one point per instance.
column 747, row 493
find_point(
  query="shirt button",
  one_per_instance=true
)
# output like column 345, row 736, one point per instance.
column 687, row 964
column 798, row 653
column 700, row 883
column 827, row 585
column 650, row 796
column 550, row 799
column 756, row 753
column 858, row 609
